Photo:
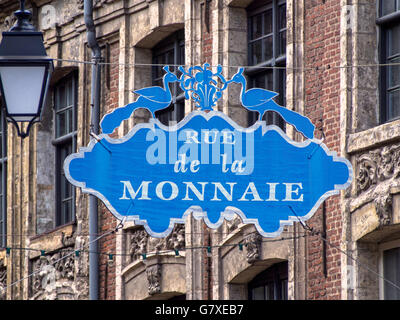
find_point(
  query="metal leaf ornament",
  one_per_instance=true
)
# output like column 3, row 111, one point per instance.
column 203, row 86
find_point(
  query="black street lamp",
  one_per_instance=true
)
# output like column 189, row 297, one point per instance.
column 25, row 71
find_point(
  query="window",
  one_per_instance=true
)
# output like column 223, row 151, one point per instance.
column 65, row 144
column 267, row 48
column 271, row 284
column 170, row 51
column 3, row 182
column 391, row 272
column 389, row 47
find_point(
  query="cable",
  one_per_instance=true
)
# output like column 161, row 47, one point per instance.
column 56, row 261
column 328, row 67
column 318, row 233
column 43, row 252
column 97, row 234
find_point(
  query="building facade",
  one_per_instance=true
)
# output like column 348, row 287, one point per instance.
column 333, row 61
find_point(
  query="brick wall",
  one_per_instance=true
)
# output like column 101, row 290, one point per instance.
column 107, row 221
column 207, row 50
column 322, row 50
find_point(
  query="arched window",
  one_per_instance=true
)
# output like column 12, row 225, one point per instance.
column 270, row 284
column 267, row 48
column 170, row 51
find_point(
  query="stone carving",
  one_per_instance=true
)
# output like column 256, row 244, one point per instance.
column 154, row 279
column 253, row 244
column 3, row 280
column 54, row 277
column 176, row 240
column 233, row 224
column 9, row 22
column 140, row 242
column 377, row 165
column 384, row 209
column 366, row 175
column 96, row 3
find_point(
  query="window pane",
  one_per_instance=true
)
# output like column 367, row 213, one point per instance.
column 66, row 212
column 268, row 48
column 394, row 41
column 269, row 291
column 268, row 22
column 256, row 53
column 391, row 269
column 256, row 27
column 284, row 290
column 61, row 124
column 258, row 293
column 388, row 6
column 70, row 123
column 270, row 284
column 282, row 17
column 394, row 73
column 62, row 97
column 394, row 104
column 282, row 42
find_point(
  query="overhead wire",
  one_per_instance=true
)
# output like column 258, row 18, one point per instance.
column 318, row 233
column 307, row 68
column 308, row 229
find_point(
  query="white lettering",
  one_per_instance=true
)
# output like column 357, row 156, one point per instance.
column 144, row 186
column 180, row 165
column 253, row 191
column 290, row 191
column 160, row 188
column 220, row 187
column 272, row 192
column 190, row 185
column 192, row 137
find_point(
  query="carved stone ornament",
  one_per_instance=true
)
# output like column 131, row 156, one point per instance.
column 140, row 242
column 52, row 278
column 377, row 165
column 96, row 3
column 9, row 22
column 233, row 224
column 3, row 280
column 384, row 209
column 154, row 279
column 253, row 244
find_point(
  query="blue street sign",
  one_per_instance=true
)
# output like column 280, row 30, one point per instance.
column 207, row 164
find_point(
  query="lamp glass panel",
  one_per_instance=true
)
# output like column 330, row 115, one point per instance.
column 22, row 87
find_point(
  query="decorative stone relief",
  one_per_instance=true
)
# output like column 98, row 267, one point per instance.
column 377, row 165
column 96, row 3
column 176, row 240
column 233, row 224
column 253, row 244
column 377, row 171
column 9, row 22
column 154, row 279
column 384, row 209
column 54, row 279
column 3, row 280
column 140, row 242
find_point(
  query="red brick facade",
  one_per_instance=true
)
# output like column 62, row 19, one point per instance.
column 322, row 101
column 107, row 221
